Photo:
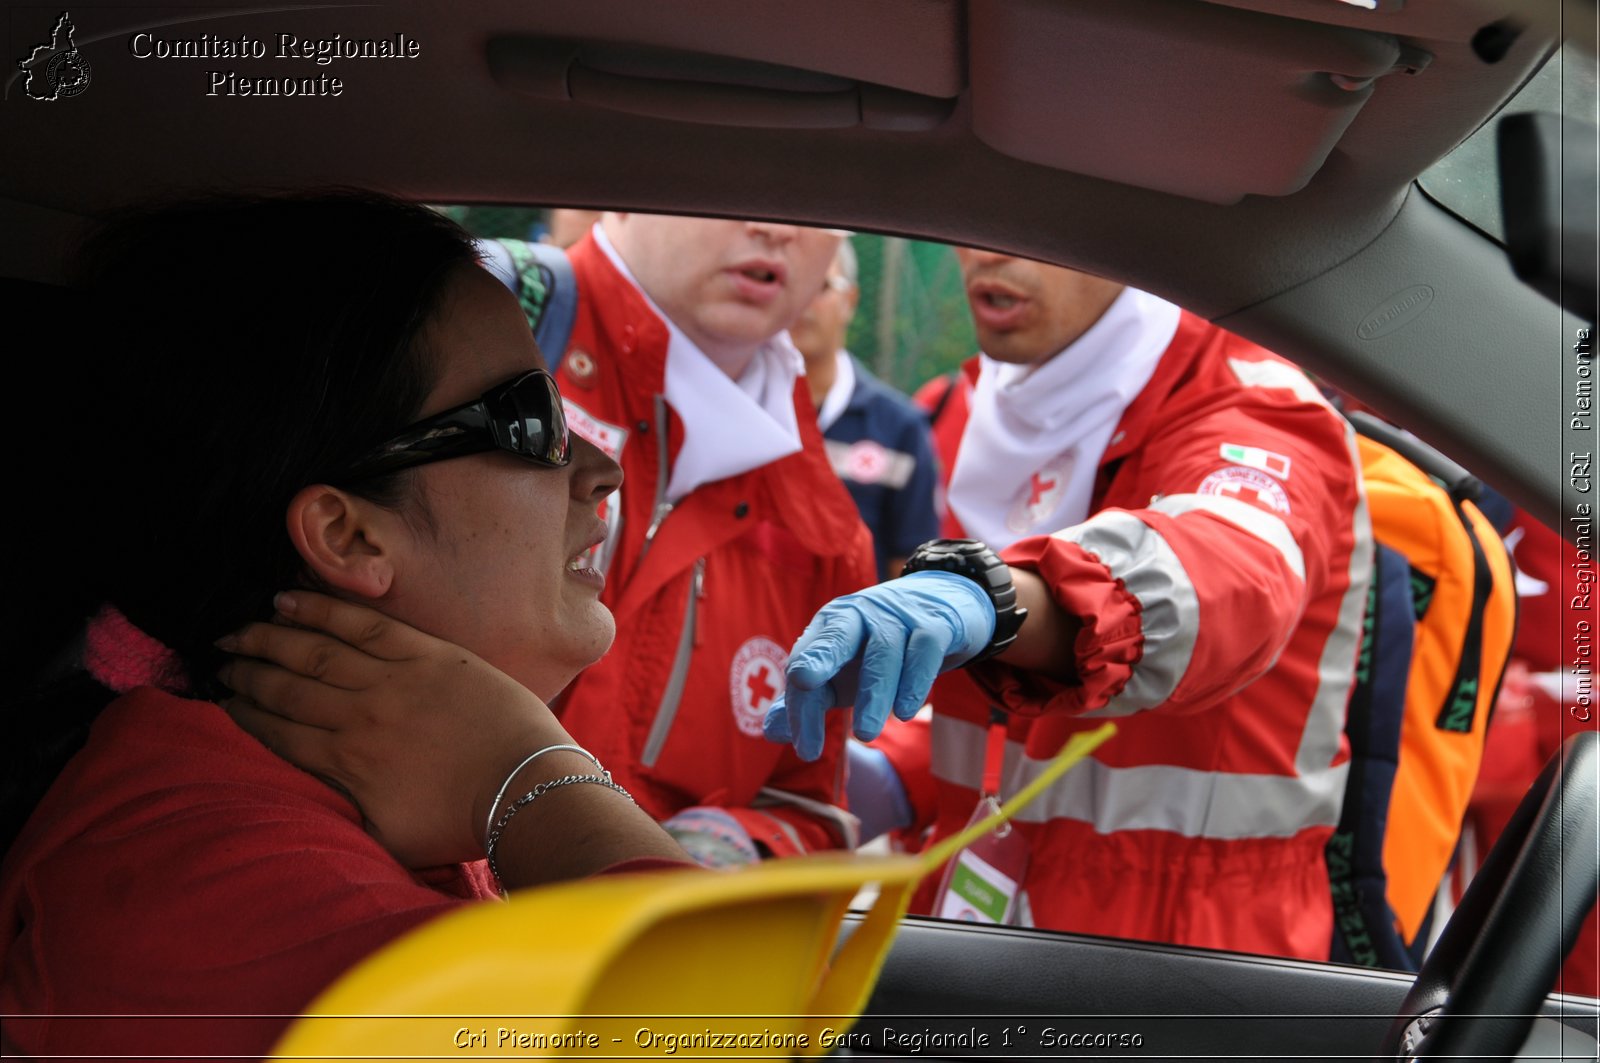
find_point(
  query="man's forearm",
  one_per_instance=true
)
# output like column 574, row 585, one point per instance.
column 1046, row 642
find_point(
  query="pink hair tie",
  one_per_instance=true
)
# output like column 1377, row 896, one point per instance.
column 122, row 657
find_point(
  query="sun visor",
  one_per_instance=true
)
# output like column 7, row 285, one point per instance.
column 1208, row 102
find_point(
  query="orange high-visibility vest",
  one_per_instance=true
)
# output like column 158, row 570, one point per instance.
column 1464, row 600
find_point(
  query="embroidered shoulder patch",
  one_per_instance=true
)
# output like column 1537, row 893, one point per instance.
column 754, row 681
column 1256, row 458
column 607, row 438
column 1247, row 485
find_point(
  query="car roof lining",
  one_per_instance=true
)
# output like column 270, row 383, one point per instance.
column 446, row 130
column 467, row 139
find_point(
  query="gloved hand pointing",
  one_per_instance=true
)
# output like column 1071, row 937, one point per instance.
column 879, row 649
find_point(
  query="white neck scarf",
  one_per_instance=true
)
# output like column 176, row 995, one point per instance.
column 839, row 392
column 1033, row 443
column 729, row 427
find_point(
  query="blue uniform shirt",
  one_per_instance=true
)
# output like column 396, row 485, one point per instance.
column 879, row 445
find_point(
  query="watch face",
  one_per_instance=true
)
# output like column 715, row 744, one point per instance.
column 953, row 555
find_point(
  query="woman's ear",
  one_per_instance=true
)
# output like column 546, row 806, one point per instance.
column 347, row 541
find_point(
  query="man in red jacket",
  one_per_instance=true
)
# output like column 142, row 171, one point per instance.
column 729, row 532
column 1180, row 513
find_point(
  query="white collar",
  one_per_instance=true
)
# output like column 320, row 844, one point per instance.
column 729, row 427
column 1032, row 446
column 839, row 392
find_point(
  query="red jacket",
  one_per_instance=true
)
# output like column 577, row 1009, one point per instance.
column 706, row 614
column 177, row 868
column 1221, row 600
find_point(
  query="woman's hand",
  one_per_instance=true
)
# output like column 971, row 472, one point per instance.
column 417, row 731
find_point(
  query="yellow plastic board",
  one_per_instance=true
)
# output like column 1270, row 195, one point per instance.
column 674, row 964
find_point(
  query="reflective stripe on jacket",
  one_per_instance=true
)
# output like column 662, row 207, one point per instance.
column 1220, row 583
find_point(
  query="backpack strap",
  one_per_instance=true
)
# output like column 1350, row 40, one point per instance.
column 1462, row 485
column 1459, row 702
column 541, row 278
column 1363, row 923
column 1416, row 731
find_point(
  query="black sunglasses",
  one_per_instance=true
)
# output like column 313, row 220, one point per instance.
column 522, row 417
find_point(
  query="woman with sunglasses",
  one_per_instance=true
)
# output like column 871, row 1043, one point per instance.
column 338, row 484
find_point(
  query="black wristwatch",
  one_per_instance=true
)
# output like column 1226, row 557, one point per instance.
column 981, row 565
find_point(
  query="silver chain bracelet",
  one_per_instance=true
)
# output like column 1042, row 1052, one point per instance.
column 499, row 796
column 602, row 779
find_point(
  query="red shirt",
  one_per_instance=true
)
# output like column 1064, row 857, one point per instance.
column 178, row 868
column 195, row 890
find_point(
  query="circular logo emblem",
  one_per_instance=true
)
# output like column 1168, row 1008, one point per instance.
column 1248, row 485
column 755, row 679
column 1039, row 497
column 68, row 74
column 579, row 365
column 866, row 462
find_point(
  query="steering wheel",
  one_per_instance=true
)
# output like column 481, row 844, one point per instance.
column 1498, row 957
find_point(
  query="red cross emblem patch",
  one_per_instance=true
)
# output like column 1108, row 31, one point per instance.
column 1247, row 485
column 1039, row 497
column 867, row 462
column 755, row 679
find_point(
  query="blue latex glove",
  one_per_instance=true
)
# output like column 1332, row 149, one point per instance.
column 878, row 649
column 877, row 796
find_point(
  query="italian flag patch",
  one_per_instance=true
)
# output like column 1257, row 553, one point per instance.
column 1257, row 458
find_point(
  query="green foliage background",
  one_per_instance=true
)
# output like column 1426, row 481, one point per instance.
column 913, row 322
